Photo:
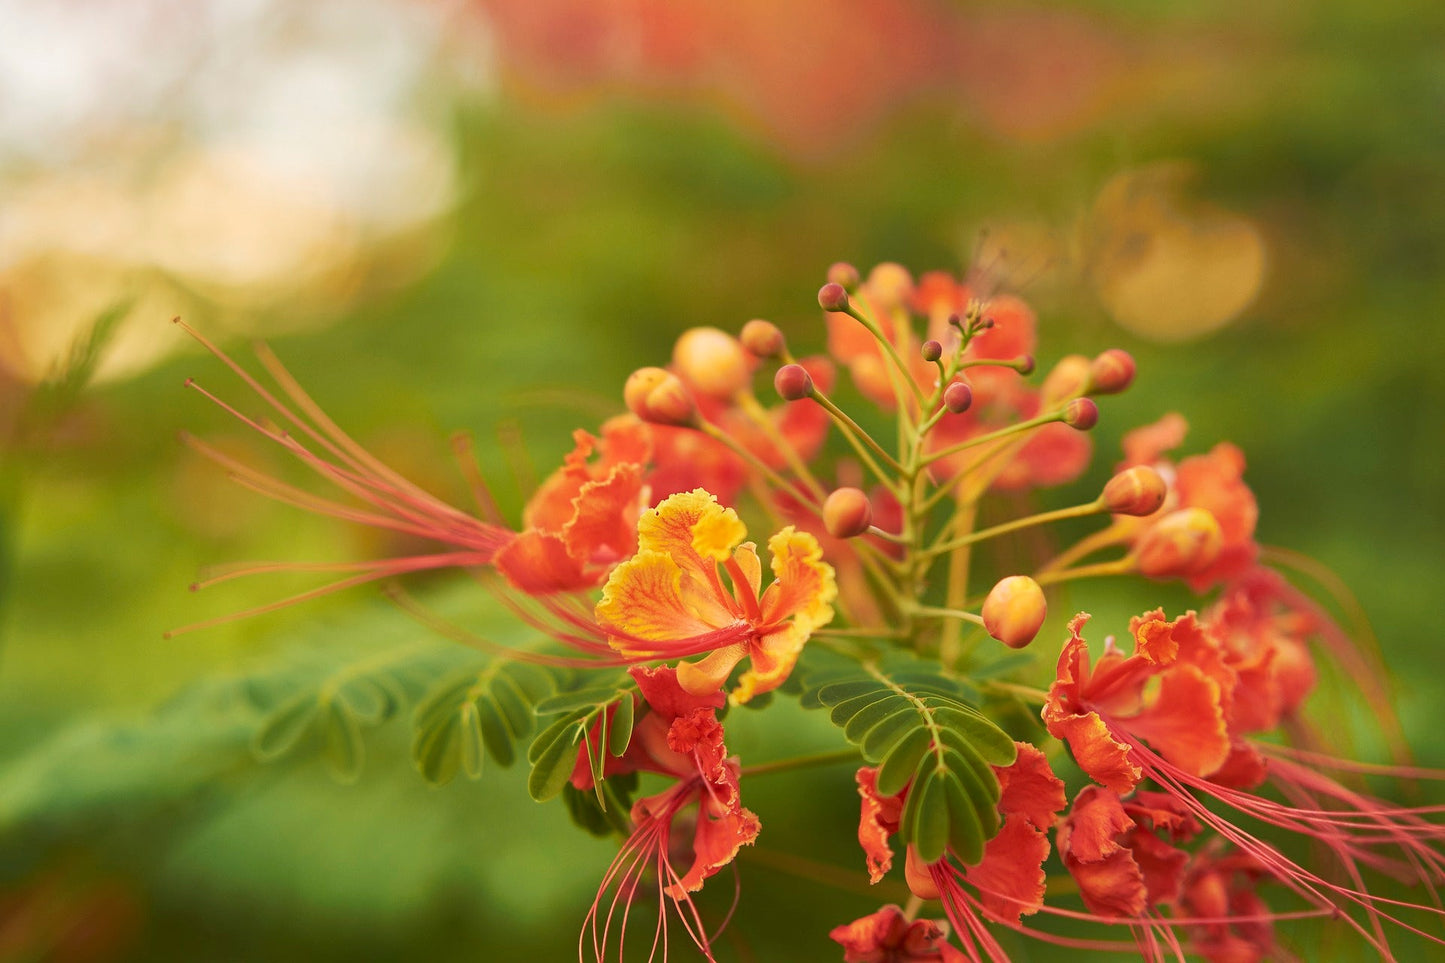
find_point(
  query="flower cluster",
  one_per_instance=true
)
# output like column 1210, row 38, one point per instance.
column 1157, row 797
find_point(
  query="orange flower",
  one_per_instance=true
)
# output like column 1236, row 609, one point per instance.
column 887, row 936
column 1111, row 848
column 583, row 518
column 1101, row 710
column 680, row 736
column 669, row 600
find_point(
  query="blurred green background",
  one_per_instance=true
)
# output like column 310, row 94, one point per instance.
column 482, row 216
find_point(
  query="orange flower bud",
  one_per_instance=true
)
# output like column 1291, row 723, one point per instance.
column 932, row 350
column 957, row 397
column 1181, row 543
column 1068, row 378
column 1025, row 364
column 1081, row 414
column 1015, row 610
column 844, row 275
column 1135, row 491
column 639, row 384
column 793, row 382
column 659, row 397
column 763, row 338
column 712, row 361
column 833, row 297
column 1111, row 372
column 847, row 513
column 890, row 285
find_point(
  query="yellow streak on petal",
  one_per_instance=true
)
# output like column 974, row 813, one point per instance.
column 805, row 585
column 644, row 597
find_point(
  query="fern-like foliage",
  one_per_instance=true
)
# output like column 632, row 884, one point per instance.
column 919, row 726
column 598, row 718
column 471, row 714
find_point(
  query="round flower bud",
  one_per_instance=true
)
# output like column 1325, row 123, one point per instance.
column 793, row 382
column 1070, row 377
column 1081, row 413
column 763, row 338
column 1014, row 611
column 639, row 385
column 932, row 350
column 1182, row 543
column 847, row 513
column 1025, row 364
column 712, row 361
column 832, row 297
column 1111, row 372
column 669, row 403
column 957, row 397
column 1135, row 491
column 844, row 275
column 890, row 285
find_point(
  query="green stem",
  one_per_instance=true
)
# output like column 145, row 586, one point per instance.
column 857, row 437
column 802, row 762
column 994, row 436
column 1043, row 518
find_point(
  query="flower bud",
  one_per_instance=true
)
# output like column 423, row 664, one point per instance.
column 1135, row 491
column 658, row 397
column 639, row 384
column 844, row 275
column 890, row 285
column 763, row 338
column 1025, row 364
column 1015, row 610
column 1182, row 543
column 1111, row 372
column 957, row 397
column 932, row 350
column 847, row 513
column 1081, row 414
column 832, row 297
column 712, row 361
column 1070, row 377
column 793, row 382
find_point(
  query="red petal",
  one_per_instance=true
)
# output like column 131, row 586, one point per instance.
column 1010, row 879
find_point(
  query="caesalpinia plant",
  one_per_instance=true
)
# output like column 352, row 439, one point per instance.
column 1192, row 761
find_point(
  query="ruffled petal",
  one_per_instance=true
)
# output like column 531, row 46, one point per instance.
column 877, row 822
column 1105, row 759
column 804, row 586
column 1010, row 879
column 644, row 599
column 538, row 563
column 1031, row 791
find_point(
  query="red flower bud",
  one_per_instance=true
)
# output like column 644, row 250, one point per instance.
column 844, row 275
column 793, row 382
column 712, row 361
column 832, row 297
column 847, row 513
column 1181, row 543
column 1135, row 491
column 1015, row 610
column 763, row 339
column 1025, row 364
column 1111, row 372
column 932, row 350
column 1082, row 414
column 957, row 397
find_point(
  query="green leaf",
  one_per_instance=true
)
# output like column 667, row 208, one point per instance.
column 344, row 750
column 283, row 729
column 866, row 718
column 930, row 830
column 587, row 698
column 621, row 732
column 495, row 735
column 472, row 740
column 993, row 744
column 436, row 752
column 886, row 733
column 966, row 834
column 552, row 767
column 902, row 761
